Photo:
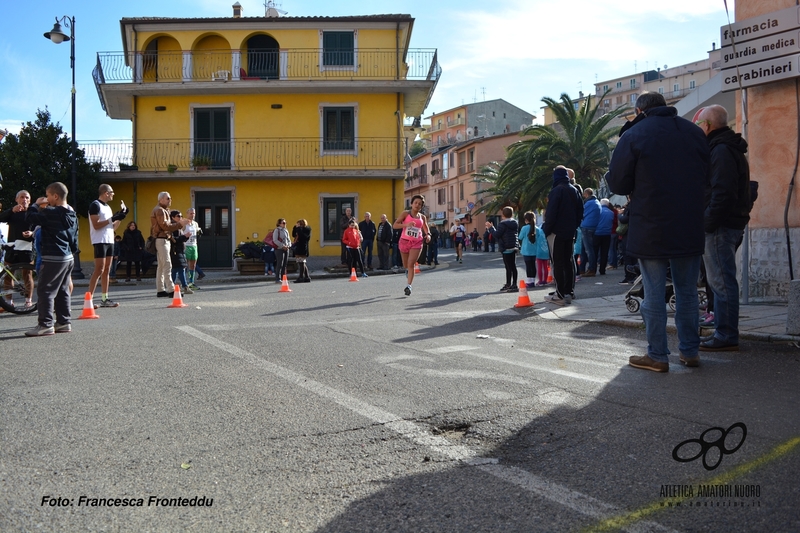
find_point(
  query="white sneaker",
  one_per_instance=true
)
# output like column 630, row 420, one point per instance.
column 408, row 290
column 187, row 290
column 40, row 331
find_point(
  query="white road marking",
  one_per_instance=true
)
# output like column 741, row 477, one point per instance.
column 541, row 368
column 560, row 494
column 386, row 359
column 459, row 374
column 573, row 359
column 489, row 313
column 580, row 503
column 448, row 349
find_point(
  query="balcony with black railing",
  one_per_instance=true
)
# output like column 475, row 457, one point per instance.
column 258, row 65
column 122, row 76
column 173, row 155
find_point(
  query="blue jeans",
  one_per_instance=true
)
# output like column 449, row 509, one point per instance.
column 179, row 276
column 720, row 259
column 433, row 253
column 366, row 250
column 587, row 237
column 397, row 259
column 685, row 272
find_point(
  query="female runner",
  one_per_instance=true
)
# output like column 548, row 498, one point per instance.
column 415, row 231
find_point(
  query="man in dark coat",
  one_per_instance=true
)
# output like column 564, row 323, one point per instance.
column 368, row 231
column 727, row 213
column 663, row 163
column 384, row 238
column 561, row 219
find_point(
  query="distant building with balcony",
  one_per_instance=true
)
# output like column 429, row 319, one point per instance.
column 445, row 177
column 674, row 83
column 251, row 119
column 469, row 121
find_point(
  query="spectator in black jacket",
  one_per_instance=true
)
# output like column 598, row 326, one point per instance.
column 506, row 236
column 561, row 219
column 663, row 162
column 726, row 215
column 384, row 238
column 368, row 231
column 433, row 246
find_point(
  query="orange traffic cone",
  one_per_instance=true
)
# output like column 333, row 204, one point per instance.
column 177, row 301
column 285, row 285
column 523, row 300
column 416, row 268
column 353, row 276
column 88, row 308
column 549, row 274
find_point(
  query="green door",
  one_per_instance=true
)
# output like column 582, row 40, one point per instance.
column 215, row 245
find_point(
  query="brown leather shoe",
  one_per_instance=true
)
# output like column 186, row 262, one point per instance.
column 644, row 361
column 588, row 274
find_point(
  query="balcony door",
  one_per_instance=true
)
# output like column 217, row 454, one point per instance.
column 263, row 55
column 215, row 245
column 212, row 137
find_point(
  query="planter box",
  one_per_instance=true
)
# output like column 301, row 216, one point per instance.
column 252, row 267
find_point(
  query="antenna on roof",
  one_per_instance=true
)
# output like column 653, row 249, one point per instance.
column 271, row 11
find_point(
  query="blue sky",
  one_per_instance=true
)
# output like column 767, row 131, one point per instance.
column 518, row 50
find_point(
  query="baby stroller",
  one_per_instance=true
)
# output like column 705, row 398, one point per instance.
column 635, row 295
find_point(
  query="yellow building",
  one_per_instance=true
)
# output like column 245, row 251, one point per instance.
column 249, row 119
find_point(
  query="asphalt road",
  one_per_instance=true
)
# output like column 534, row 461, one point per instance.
column 348, row 407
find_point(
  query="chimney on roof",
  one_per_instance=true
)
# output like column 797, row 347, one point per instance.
column 237, row 10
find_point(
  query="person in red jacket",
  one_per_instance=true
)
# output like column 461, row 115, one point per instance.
column 352, row 242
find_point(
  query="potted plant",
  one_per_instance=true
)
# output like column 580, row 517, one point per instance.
column 248, row 257
column 201, row 162
column 125, row 166
column 172, row 168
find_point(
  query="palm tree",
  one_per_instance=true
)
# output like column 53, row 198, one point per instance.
column 578, row 141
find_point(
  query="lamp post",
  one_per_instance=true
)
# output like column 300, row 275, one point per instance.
column 58, row 37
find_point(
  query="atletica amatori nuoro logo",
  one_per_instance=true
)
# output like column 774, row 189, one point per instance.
column 681, row 452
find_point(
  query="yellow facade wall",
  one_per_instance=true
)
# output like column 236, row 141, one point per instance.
column 288, row 38
column 254, row 117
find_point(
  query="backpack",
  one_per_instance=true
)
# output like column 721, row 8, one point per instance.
column 532, row 235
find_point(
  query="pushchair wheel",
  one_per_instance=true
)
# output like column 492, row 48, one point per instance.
column 632, row 304
column 702, row 299
column 672, row 302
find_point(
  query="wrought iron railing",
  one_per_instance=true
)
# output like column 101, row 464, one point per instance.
column 255, row 65
column 173, row 155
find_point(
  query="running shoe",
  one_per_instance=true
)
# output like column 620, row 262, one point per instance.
column 40, row 331
column 408, row 290
column 62, row 328
column 108, row 303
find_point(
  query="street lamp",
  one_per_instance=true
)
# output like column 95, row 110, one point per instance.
column 58, row 37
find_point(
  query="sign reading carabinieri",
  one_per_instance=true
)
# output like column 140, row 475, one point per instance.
column 759, row 73
column 756, row 50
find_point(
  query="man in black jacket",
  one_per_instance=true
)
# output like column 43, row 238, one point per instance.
column 662, row 161
column 368, row 231
column 727, row 213
column 384, row 237
column 561, row 219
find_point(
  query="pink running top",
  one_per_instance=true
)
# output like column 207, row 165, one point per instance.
column 414, row 234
